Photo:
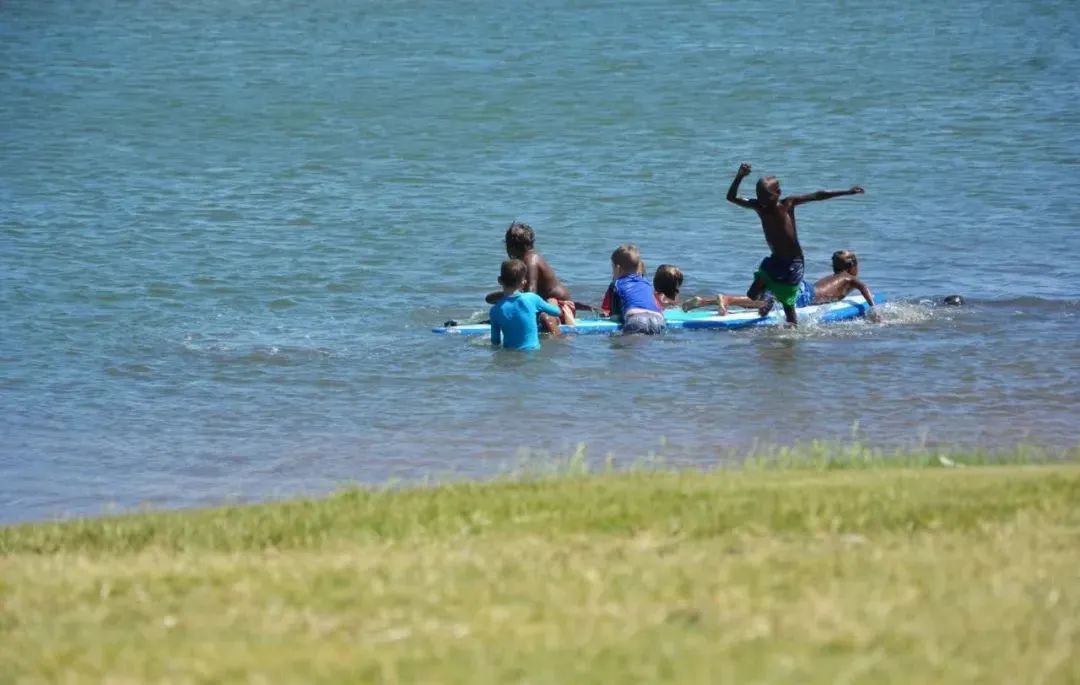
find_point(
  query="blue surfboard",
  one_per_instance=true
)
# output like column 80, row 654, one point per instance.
column 851, row 307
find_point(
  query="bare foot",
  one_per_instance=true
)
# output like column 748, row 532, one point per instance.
column 721, row 304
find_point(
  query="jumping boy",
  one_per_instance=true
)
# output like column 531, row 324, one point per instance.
column 513, row 317
column 781, row 273
column 540, row 277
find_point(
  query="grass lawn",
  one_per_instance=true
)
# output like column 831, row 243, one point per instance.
column 873, row 575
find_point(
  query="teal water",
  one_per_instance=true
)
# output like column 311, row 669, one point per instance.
column 226, row 230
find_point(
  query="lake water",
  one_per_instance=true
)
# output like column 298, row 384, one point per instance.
column 226, row 230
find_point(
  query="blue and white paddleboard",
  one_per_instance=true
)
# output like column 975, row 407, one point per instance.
column 850, row 307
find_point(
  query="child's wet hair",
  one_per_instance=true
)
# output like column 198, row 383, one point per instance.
column 844, row 260
column 519, row 238
column 627, row 257
column 766, row 184
column 513, row 272
column 668, row 280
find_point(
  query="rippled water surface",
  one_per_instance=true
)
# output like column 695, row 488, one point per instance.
column 226, row 230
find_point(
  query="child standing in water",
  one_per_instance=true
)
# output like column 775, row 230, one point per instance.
column 513, row 318
column 781, row 273
column 540, row 277
column 631, row 296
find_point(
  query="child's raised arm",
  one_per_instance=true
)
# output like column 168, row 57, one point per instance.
column 823, row 195
column 733, row 191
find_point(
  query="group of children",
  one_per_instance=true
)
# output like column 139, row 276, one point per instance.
column 532, row 296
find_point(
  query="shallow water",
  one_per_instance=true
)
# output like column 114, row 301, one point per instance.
column 227, row 228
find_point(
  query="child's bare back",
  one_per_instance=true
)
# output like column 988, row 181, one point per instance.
column 834, row 287
column 778, row 215
column 843, row 280
column 541, row 278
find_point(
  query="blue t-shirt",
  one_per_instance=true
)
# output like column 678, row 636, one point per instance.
column 632, row 291
column 513, row 320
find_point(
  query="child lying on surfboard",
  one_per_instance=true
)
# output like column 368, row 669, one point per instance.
column 835, row 286
column 667, row 282
column 540, row 277
column 513, row 317
column 630, row 298
column 844, row 279
column 781, row 273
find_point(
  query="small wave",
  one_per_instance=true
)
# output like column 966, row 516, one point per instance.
column 1029, row 304
column 233, row 353
column 891, row 313
column 129, row 370
column 908, row 312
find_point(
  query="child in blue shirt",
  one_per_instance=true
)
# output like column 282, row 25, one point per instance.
column 632, row 297
column 513, row 317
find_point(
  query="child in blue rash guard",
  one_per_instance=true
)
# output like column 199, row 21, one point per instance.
column 632, row 297
column 513, row 318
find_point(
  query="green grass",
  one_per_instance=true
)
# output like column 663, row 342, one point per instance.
column 767, row 574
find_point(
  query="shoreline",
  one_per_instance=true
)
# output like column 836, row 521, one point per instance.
column 880, row 573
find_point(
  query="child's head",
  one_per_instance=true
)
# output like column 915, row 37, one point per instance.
column 768, row 190
column 626, row 259
column 512, row 274
column 845, row 260
column 668, row 280
column 519, row 239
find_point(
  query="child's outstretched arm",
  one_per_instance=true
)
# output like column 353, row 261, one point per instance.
column 863, row 290
column 546, row 307
column 733, row 191
column 823, row 195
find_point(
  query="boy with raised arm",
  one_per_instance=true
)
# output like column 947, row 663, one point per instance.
column 540, row 277
column 781, row 273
